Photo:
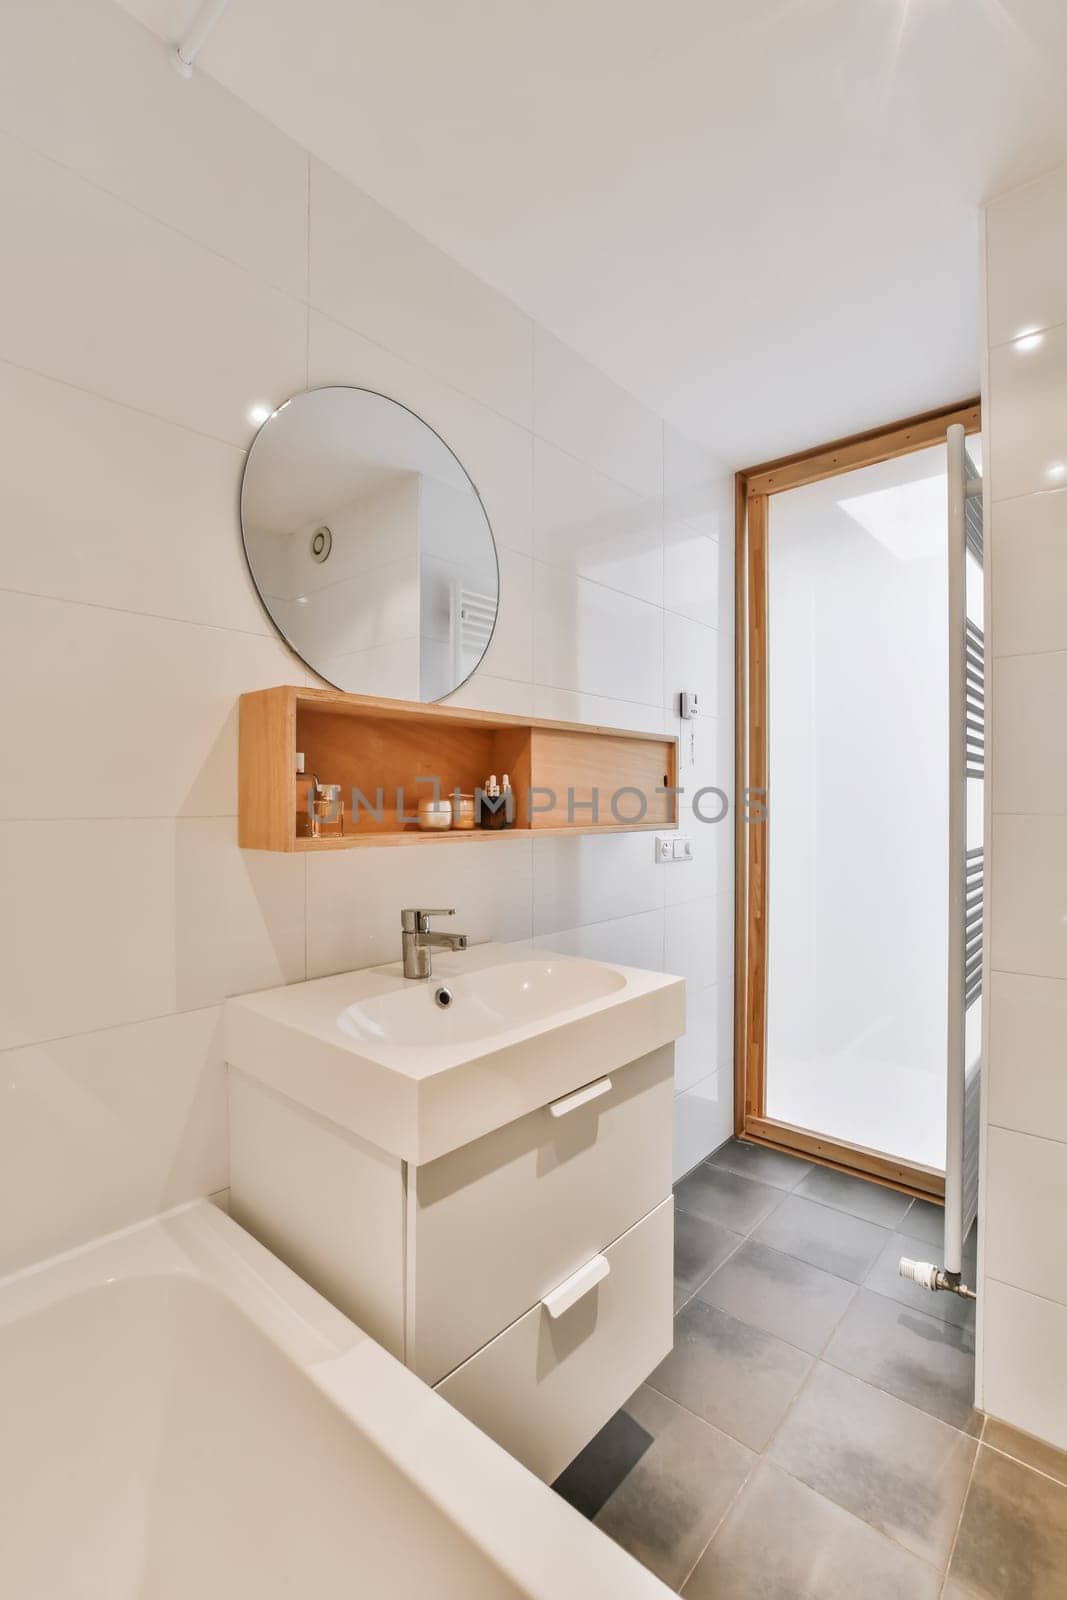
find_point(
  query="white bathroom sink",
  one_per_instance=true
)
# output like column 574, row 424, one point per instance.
column 376, row 1053
column 478, row 1005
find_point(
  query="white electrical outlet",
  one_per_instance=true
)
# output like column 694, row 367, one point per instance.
column 673, row 847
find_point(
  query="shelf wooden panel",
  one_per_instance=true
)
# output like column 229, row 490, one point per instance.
column 369, row 744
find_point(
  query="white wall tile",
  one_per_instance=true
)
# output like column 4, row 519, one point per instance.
column 696, row 488
column 1028, row 595
column 239, row 915
column 483, row 692
column 372, row 272
column 88, row 931
column 691, row 573
column 106, row 505
column 717, row 835
column 705, row 755
column 1027, row 416
column 85, row 85
column 1026, row 1201
column 1024, row 1373
column 570, row 705
column 103, row 1128
column 692, row 948
column 1029, row 895
column 99, row 295
column 109, row 922
column 510, row 652
column 1026, row 243
column 1027, row 1077
column 697, row 879
column 590, row 879
column 595, row 526
column 1023, row 1335
column 582, row 411
column 595, row 640
column 355, row 899
column 1029, row 765
column 496, row 453
column 703, row 1120
column 691, row 661
column 697, row 1052
column 120, row 715
column 635, row 941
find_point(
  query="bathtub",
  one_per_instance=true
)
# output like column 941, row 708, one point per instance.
column 181, row 1416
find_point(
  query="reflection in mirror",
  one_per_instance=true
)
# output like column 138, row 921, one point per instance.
column 369, row 545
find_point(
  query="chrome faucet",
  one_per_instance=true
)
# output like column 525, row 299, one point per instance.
column 416, row 941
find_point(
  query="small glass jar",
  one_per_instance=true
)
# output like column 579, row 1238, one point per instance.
column 435, row 816
column 327, row 811
column 463, row 812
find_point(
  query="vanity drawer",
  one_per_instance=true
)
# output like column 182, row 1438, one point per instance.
column 495, row 1226
column 547, row 1384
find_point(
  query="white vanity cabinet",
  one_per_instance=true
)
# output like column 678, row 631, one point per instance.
column 527, row 1274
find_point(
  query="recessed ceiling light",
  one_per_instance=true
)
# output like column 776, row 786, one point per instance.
column 1029, row 341
column 1057, row 470
column 301, row 599
column 259, row 414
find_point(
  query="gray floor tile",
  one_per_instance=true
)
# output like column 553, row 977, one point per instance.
column 918, row 1358
column 1024, row 1447
column 871, row 1201
column 699, row 1247
column 1012, row 1543
column 899, row 1469
column 667, row 1506
column 885, row 1278
column 781, row 1295
column 738, row 1378
column 926, row 1221
column 724, row 1197
column 834, row 1240
column 782, row 1541
column 756, row 1161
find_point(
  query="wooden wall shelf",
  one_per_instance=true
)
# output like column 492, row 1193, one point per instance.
column 365, row 743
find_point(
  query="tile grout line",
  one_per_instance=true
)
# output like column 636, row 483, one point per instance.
column 153, row 616
column 963, row 1504
column 1061, row 1483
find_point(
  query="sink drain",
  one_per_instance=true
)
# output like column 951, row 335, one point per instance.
column 444, row 997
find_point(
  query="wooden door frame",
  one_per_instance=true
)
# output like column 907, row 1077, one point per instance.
column 754, row 488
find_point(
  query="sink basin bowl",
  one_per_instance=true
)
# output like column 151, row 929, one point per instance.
column 373, row 1052
column 482, row 1004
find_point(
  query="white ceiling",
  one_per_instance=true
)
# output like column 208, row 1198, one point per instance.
column 760, row 216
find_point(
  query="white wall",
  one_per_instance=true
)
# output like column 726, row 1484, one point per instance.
column 156, row 281
column 1023, row 1374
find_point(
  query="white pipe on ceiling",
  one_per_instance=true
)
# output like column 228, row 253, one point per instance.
column 189, row 46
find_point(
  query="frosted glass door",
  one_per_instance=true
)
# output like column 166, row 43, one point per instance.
column 858, row 795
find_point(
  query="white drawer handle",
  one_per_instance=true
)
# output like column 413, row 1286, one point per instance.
column 571, row 1290
column 580, row 1097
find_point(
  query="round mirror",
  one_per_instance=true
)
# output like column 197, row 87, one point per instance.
column 369, row 545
